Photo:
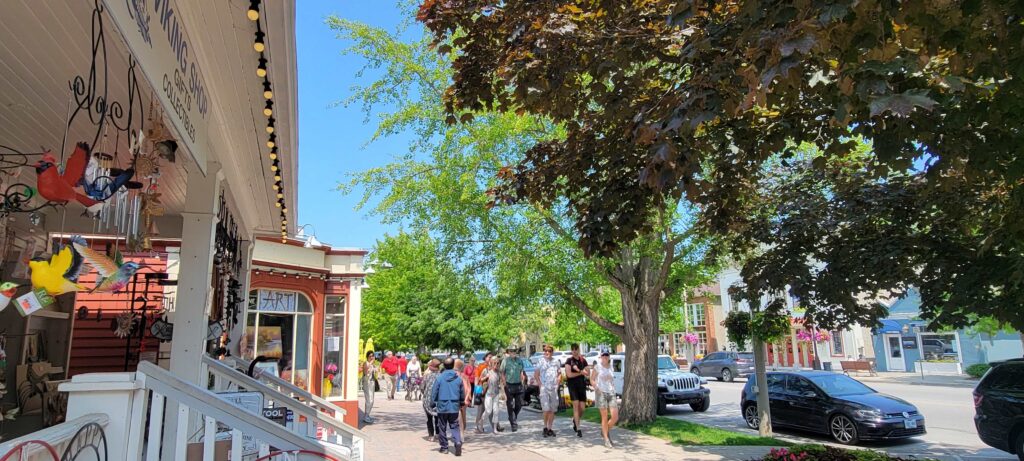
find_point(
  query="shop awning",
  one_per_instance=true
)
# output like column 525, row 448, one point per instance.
column 889, row 326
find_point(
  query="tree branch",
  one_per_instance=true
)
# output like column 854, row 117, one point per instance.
column 615, row 281
column 616, row 329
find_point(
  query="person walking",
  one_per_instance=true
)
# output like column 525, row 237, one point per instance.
column 491, row 381
column 603, row 380
column 460, row 368
column 448, row 395
column 428, row 397
column 403, row 377
column 478, row 390
column 390, row 367
column 575, row 373
column 512, row 378
column 548, row 374
column 369, row 385
column 415, row 385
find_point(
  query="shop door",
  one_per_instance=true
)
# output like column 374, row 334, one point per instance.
column 894, row 353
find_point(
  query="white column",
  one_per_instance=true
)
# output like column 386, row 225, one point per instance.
column 355, row 307
column 796, row 348
column 245, row 278
column 198, row 228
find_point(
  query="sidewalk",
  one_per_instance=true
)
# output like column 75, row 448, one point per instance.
column 897, row 377
column 399, row 434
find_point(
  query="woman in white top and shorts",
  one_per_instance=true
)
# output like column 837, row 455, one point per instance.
column 604, row 385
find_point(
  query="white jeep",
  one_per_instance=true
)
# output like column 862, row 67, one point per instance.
column 675, row 386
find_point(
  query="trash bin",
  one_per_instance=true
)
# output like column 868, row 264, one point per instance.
column 827, row 366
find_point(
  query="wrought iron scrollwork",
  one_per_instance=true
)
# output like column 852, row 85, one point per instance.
column 88, row 444
column 16, row 196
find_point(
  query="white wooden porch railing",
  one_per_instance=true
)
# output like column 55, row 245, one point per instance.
column 211, row 410
column 288, row 388
column 311, row 417
column 66, row 437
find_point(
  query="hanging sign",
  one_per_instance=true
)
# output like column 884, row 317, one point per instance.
column 276, row 301
column 156, row 35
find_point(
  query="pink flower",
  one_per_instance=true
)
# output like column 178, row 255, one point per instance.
column 691, row 338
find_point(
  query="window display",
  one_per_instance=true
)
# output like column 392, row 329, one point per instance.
column 334, row 346
column 279, row 325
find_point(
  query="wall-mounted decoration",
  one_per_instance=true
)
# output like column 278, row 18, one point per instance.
column 7, row 292
column 162, row 330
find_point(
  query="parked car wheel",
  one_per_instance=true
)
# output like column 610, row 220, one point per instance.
column 695, row 371
column 662, row 406
column 843, row 430
column 1019, row 445
column 727, row 375
column 750, row 416
column 701, row 406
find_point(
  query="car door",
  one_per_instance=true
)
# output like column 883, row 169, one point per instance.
column 777, row 396
column 805, row 403
column 709, row 366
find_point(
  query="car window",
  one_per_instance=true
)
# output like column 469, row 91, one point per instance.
column 1006, row 377
column 838, row 385
column 776, row 384
column 713, row 356
column 666, row 363
column 797, row 385
column 617, row 366
column 745, row 356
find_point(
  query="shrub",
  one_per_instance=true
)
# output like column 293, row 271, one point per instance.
column 825, row 453
column 977, row 370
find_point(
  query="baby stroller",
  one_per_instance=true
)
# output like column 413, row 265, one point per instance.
column 415, row 388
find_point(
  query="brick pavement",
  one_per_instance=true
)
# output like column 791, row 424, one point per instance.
column 399, row 434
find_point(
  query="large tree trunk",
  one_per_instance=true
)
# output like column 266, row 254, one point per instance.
column 640, row 380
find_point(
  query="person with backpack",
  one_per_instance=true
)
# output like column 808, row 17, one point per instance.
column 512, row 379
column 448, row 396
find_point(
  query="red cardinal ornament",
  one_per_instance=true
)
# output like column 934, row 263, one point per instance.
column 60, row 187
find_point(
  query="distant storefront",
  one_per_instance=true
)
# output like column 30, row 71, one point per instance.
column 304, row 305
column 905, row 343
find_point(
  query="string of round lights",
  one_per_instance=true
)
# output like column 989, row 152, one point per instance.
column 259, row 44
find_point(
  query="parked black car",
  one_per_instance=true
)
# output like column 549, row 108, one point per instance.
column 833, row 404
column 725, row 365
column 999, row 407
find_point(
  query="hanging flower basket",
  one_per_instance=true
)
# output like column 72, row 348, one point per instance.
column 691, row 338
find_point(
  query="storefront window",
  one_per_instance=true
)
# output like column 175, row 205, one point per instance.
column 278, row 325
column 334, row 346
column 940, row 346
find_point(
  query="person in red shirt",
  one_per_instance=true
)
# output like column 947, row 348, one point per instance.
column 402, row 376
column 390, row 367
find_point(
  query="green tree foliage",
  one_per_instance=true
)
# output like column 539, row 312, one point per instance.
column 668, row 98
column 418, row 299
column 737, row 328
column 526, row 253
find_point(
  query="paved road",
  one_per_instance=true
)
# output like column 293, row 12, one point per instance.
column 948, row 412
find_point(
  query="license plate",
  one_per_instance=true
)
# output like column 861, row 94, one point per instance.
column 910, row 424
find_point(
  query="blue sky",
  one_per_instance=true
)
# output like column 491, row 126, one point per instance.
column 332, row 139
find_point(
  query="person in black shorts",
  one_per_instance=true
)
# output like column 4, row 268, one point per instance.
column 575, row 370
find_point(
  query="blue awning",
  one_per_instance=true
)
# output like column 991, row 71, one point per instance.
column 889, row 326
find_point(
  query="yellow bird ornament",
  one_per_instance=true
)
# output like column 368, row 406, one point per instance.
column 58, row 275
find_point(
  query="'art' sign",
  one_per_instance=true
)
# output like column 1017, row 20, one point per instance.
column 156, row 35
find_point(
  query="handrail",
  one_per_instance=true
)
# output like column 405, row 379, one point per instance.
column 220, row 368
column 159, row 380
column 302, row 393
column 55, row 435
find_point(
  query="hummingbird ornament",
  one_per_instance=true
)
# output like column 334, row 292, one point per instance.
column 114, row 274
column 7, row 291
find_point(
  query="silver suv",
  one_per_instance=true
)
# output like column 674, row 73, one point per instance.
column 725, row 366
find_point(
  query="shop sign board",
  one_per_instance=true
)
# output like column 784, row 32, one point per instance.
column 155, row 33
column 280, row 415
column 276, row 301
column 251, row 402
